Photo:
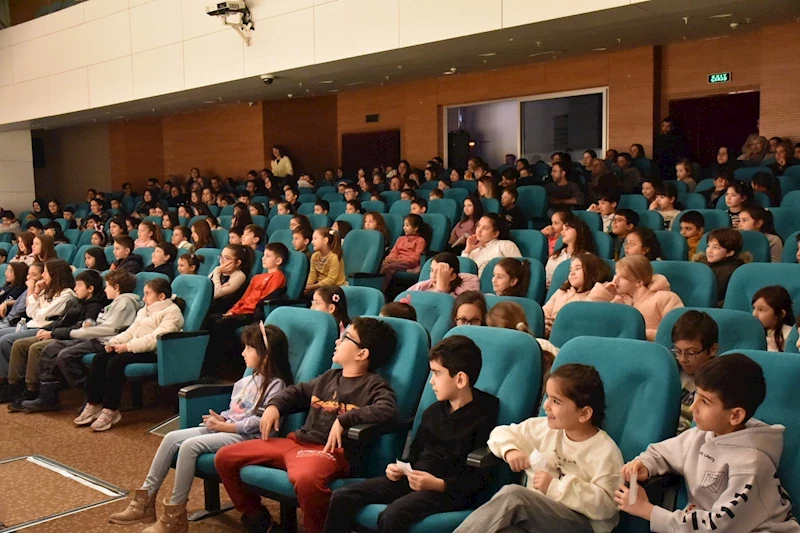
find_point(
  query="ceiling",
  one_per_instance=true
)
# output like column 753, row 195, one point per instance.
column 651, row 23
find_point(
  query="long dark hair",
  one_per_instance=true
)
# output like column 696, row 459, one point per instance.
column 100, row 260
column 423, row 230
column 20, row 273
column 26, row 237
column 451, row 261
column 334, row 295
column 584, row 240
column 60, row 278
column 477, row 210
column 162, row 286
column 241, row 216
column 274, row 356
column 779, row 301
column 519, row 270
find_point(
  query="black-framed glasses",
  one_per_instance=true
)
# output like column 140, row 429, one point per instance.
column 460, row 321
column 689, row 355
column 346, row 337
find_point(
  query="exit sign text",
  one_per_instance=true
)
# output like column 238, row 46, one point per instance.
column 720, row 77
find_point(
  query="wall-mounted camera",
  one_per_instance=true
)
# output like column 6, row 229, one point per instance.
column 268, row 79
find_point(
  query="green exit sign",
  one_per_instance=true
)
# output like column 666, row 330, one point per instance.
column 720, row 77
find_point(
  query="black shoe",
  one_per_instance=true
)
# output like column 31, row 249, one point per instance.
column 11, row 391
column 17, row 407
column 260, row 522
column 46, row 401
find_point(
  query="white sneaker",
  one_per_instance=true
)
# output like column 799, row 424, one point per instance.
column 88, row 415
column 106, row 419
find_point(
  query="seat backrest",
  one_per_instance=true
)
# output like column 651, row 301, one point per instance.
column 332, row 197
column 260, row 220
column 74, row 235
column 704, row 185
column 336, row 209
column 363, row 251
column 258, row 256
column 641, row 384
column 469, row 185
column 197, row 218
column 210, row 260
column 394, row 223
column 434, row 311
column 312, row 336
column 533, row 311
column 531, row 242
column 447, row 207
column 604, row 244
column 220, row 237
column 278, row 222
column 593, row 220
column 428, row 185
column 363, row 301
column 146, row 253
column 225, row 220
column 787, row 221
column 319, row 221
column 747, row 173
column 356, row 221
column 373, row 205
column 66, row 252
column 535, row 287
column 790, row 248
column 440, row 231
column 296, row 272
column 325, row 189
column 85, row 238
column 755, row 242
column 400, row 207
column 562, row 273
column 458, row 195
column 283, row 236
column 636, row 202
column 713, row 219
column 79, row 260
column 305, row 209
column 749, row 278
column 738, row 330
column 791, row 200
column 143, row 277
column 5, row 246
column 694, row 283
column 651, row 219
column 466, row 265
column 782, row 374
column 599, row 319
column 532, row 201
column 390, row 197
column 197, row 291
column 694, row 200
column 490, row 205
column 673, row 246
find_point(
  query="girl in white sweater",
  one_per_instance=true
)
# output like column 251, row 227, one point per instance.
column 572, row 465
column 137, row 344
column 772, row 306
column 230, row 276
column 490, row 240
column 584, row 271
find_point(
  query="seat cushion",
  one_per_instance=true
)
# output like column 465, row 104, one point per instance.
column 141, row 370
column 267, row 478
column 438, row 523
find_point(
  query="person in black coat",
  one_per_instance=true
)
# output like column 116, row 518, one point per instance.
column 162, row 260
column 668, row 148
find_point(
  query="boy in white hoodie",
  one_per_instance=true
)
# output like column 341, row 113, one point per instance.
column 729, row 460
column 63, row 359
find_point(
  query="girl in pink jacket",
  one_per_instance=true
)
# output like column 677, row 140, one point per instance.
column 407, row 251
column 585, row 271
column 635, row 285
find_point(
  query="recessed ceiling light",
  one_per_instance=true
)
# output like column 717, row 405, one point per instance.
column 355, row 83
column 722, row 16
column 333, row 90
column 601, row 49
column 488, row 54
column 537, row 54
column 209, row 102
column 326, row 81
column 448, row 72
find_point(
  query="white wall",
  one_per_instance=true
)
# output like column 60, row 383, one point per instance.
column 103, row 52
column 538, row 126
column 16, row 170
column 494, row 127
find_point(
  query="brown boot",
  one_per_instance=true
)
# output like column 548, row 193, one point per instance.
column 174, row 520
column 141, row 509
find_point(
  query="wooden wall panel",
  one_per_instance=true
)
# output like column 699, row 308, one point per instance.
column 137, row 152
column 780, row 82
column 306, row 127
column 224, row 141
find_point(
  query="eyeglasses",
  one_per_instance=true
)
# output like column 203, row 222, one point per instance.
column 346, row 337
column 686, row 354
column 460, row 321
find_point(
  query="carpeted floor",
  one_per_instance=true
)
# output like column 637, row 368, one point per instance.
column 120, row 456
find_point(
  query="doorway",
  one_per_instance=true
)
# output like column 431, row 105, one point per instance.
column 369, row 150
column 713, row 121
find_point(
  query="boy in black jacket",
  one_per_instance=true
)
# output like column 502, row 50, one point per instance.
column 438, row 479
column 162, row 260
column 25, row 353
column 125, row 258
column 315, row 455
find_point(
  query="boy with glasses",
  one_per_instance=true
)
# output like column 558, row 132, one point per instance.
column 694, row 343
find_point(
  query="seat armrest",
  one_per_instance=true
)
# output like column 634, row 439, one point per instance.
column 192, row 392
column 182, row 335
column 365, row 275
column 482, row 458
column 368, row 432
column 195, row 401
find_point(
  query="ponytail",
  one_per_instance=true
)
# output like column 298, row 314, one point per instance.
column 423, row 229
column 162, row 286
column 519, row 269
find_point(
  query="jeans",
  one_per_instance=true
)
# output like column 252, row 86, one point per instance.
column 7, row 338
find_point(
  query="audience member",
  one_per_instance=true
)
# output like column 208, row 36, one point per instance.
column 772, row 306
column 724, row 255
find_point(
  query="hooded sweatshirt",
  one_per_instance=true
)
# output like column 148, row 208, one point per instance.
column 161, row 317
column 133, row 264
column 39, row 309
column 653, row 301
column 115, row 317
column 77, row 311
column 731, row 480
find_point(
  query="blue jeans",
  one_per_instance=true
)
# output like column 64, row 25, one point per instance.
column 7, row 338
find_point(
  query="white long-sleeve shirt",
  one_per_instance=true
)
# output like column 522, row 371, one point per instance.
column 38, row 308
column 496, row 248
column 585, row 474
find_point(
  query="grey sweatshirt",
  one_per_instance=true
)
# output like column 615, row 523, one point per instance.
column 116, row 316
column 732, row 481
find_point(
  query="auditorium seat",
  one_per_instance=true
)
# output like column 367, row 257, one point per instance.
column 749, row 278
column 713, row 219
column 537, row 279
column 738, row 330
column 599, row 319
column 694, row 283
column 362, row 301
column 755, row 243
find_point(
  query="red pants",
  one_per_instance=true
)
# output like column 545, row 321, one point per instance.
column 310, row 470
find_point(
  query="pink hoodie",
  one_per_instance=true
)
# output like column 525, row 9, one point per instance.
column 653, row 301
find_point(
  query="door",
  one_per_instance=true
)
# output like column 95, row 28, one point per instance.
column 713, row 121
column 369, row 150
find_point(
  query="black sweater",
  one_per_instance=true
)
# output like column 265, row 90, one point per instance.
column 445, row 439
column 168, row 269
column 133, row 263
column 77, row 311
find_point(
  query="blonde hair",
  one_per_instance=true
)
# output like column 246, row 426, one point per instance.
column 508, row 315
column 635, row 268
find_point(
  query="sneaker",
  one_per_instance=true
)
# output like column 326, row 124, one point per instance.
column 17, row 406
column 106, row 419
column 88, row 415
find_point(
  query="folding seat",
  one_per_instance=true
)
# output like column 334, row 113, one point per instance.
column 704, row 185
column 598, row 319
column 642, row 164
column 673, row 245
column 533, row 311
column 747, row 173
column 390, row 197
column 434, row 311
column 394, row 223
column 336, row 209
column 755, row 242
column 319, row 221
column 490, row 205
column 220, row 237
column 197, row 218
column 154, row 219
column 260, row 220
column 637, row 415
column 362, row 255
column 66, row 252
column 593, row 220
column 210, row 260
column 85, row 238
column 333, row 197
column 511, row 371
column 791, row 200
column 109, row 251
column 428, row 185
column 226, row 211
column 738, row 330
column 373, row 205
column 789, row 248
column 44, row 221
column 257, row 267
column 63, row 223
column 469, row 185
column 406, row 372
column 541, row 169
column 447, row 207
column 790, row 182
column 787, row 221
column 749, row 278
column 713, row 219
column 143, row 277
column 604, row 244
column 283, row 236
column 651, row 219
column 306, row 209
column 273, row 211
column 364, row 197
column 440, row 231
column 562, row 273
column 296, row 272
column 304, row 199
column 694, row 283
column 362, row 301
column 637, row 202
column 535, row 287
column 693, row 200
column 5, row 246
column 7, row 237
column 277, row 222
column 682, row 188
column 400, row 207
column 532, row 243
column 326, row 189
column 459, row 195
column 225, row 220
column 356, row 221
column 214, row 210
column 166, row 235
column 532, row 201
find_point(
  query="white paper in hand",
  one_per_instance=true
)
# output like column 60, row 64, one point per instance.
column 634, row 491
column 538, row 461
column 405, row 467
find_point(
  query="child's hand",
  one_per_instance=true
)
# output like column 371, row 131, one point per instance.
column 653, row 205
column 419, row 480
column 472, row 243
column 121, row 348
column 334, row 437
column 270, row 420
column 636, row 469
column 641, row 507
column 548, row 230
column 517, row 460
column 43, row 335
column 592, row 208
column 109, row 348
column 541, row 481
column 394, row 472
column 611, row 287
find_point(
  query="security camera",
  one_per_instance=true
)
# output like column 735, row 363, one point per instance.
column 251, row 104
column 734, row 25
column 267, row 78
